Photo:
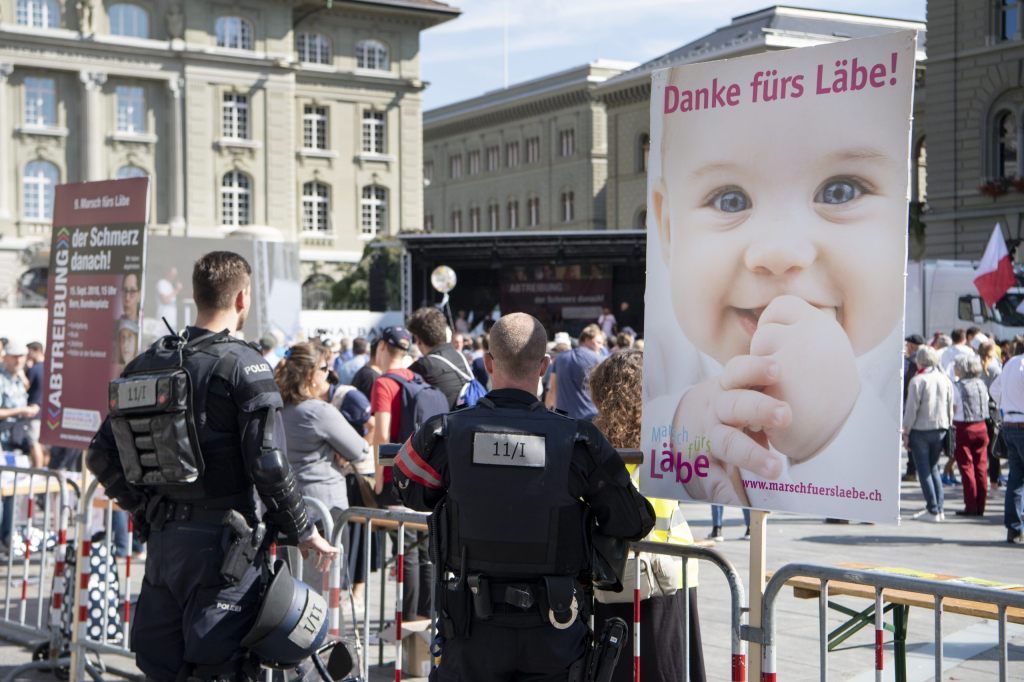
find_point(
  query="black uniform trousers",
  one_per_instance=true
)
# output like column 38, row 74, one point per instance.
column 187, row 615
column 494, row 653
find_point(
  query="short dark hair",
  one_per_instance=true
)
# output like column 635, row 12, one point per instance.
column 428, row 325
column 972, row 331
column 34, row 346
column 958, row 335
column 359, row 345
column 217, row 278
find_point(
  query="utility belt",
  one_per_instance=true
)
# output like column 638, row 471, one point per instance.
column 161, row 510
column 550, row 600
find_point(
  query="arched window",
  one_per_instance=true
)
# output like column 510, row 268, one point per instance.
column 37, row 13
column 643, row 153
column 372, row 54
column 130, row 171
column 234, row 32
column 373, row 209
column 313, row 48
column 129, row 20
column 37, row 190
column 1007, row 152
column 316, row 292
column 236, row 199
column 316, row 206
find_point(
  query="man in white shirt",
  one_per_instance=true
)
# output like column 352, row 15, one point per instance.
column 1008, row 392
column 958, row 349
column 975, row 337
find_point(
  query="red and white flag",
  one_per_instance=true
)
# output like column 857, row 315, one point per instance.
column 994, row 275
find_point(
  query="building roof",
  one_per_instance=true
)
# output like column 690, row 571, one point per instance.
column 558, row 84
column 425, row 5
column 776, row 27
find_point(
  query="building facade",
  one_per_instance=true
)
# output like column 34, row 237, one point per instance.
column 531, row 157
column 975, row 126
column 299, row 116
column 610, row 107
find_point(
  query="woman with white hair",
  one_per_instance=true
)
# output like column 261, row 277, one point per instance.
column 927, row 418
column 970, row 410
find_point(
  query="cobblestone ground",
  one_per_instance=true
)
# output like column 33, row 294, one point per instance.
column 975, row 548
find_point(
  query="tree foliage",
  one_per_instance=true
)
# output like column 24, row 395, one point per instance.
column 353, row 291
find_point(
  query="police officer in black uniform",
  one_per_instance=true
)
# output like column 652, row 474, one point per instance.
column 179, row 473
column 513, row 487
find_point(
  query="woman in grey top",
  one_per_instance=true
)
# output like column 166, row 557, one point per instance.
column 970, row 411
column 927, row 417
column 320, row 441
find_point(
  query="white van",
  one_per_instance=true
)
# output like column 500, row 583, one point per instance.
column 941, row 296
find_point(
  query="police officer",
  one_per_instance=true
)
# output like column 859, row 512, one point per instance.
column 190, row 620
column 513, row 486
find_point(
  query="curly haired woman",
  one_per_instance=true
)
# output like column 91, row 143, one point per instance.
column 616, row 387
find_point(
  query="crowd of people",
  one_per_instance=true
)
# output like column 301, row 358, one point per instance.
column 964, row 398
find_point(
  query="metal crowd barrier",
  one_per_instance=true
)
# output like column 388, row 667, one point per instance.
column 39, row 502
column 399, row 520
column 940, row 590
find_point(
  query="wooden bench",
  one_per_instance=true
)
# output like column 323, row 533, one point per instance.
column 899, row 603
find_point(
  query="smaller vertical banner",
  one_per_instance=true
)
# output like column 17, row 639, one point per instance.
column 94, row 297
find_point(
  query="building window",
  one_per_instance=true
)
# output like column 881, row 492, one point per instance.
column 316, row 206
column 567, row 142
column 492, row 217
column 234, row 32
column 236, row 116
column 1007, row 152
column 374, row 210
column 474, row 162
column 643, row 153
column 474, row 219
column 37, row 13
column 456, row 221
column 533, row 212
column 641, row 219
column 372, row 54
column 455, row 166
column 493, row 155
column 314, row 127
column 533, row 150
column 373, row 132
column 428, row 171
column 428, row 223
column 129, row 20
column 568, row 207
column 920, row 189
column 235, row 199
column 313, row 48
column 511, row 154
column 130, row 171
column 131, row 109
column 37, row 190
column 513, row 215
column 40, row 102
column 1009, row 19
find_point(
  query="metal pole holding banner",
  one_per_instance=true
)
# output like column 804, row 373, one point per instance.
column 758, row 552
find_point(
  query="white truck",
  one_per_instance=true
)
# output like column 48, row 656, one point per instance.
column 941, row 296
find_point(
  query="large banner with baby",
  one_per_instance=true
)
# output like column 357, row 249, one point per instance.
column 777, row 196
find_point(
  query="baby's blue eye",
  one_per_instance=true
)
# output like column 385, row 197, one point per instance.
column 838, row 192
column 731, row 201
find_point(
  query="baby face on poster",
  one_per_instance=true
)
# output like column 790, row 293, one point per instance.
column 781, row 214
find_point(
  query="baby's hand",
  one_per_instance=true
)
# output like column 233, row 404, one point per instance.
column 818, row 373
column 731, row 411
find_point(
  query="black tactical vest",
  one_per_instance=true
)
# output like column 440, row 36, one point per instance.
column 158, row 412
column 508, row 505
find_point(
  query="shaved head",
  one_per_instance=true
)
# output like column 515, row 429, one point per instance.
column 518, row 344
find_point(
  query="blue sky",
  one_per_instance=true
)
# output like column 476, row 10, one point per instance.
column 464, row 58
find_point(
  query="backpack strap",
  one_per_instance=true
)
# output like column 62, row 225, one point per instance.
column 396, row 378
column 462, row 375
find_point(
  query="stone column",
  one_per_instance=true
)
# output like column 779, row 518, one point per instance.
column 92, row 129
column 176, row 156
column 6, row 176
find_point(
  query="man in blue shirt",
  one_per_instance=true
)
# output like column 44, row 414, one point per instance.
column 569, row 390
column 360, row 356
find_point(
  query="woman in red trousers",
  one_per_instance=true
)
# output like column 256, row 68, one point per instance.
column 970, row 410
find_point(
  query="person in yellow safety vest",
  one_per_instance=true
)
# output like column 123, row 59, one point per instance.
column 616, row 386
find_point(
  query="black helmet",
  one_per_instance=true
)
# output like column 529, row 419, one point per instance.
column 291, row 624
